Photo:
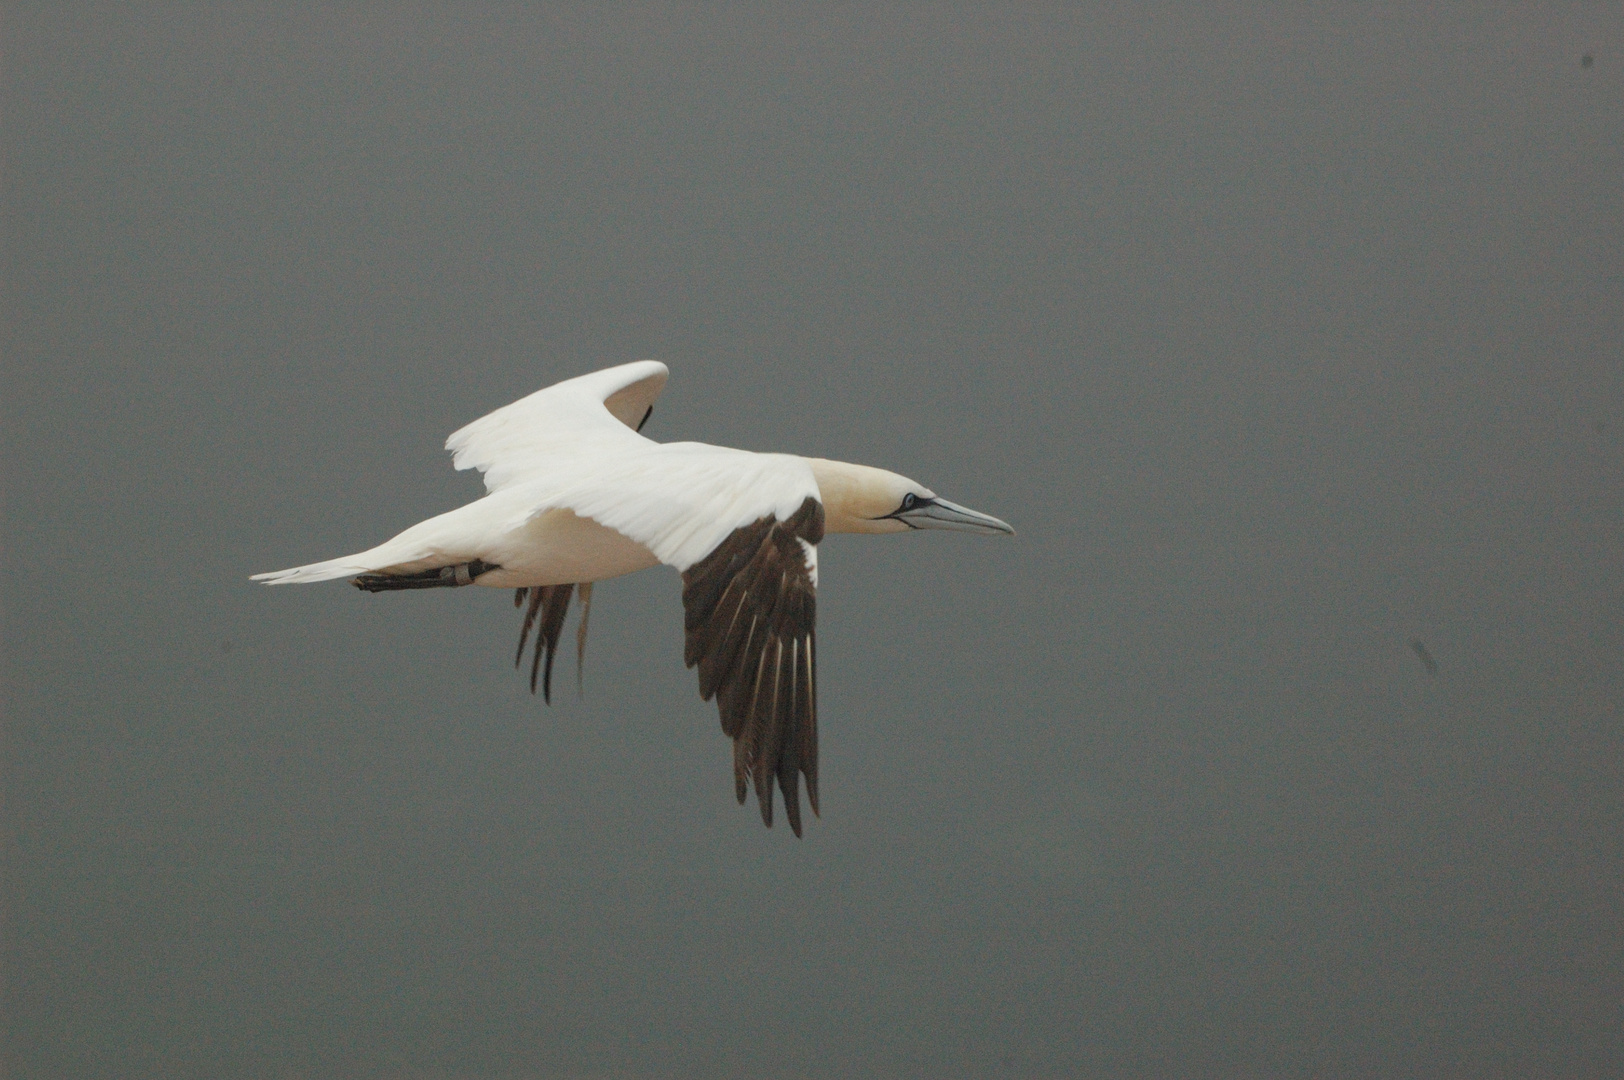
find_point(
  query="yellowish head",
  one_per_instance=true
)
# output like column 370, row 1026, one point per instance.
column 863, row 499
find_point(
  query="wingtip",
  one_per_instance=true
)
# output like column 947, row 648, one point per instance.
column 764, row 799
column 792, row 810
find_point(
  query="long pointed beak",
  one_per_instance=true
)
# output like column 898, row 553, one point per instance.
column 941, row 514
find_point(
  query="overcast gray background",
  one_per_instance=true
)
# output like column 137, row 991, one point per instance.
column 1284, row 335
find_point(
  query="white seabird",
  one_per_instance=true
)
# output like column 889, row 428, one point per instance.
column 576, row 495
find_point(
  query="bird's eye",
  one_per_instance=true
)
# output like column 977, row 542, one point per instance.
column 908, row 501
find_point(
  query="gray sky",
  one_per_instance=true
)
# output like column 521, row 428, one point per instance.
column 1284, row 335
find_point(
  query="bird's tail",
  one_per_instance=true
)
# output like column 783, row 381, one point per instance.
column 348, row 566
column 442, row 541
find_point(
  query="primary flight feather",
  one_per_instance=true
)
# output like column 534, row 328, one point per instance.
column 576, row 494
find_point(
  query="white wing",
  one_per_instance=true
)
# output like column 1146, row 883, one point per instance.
column 574, row 446
column 518, row 441
column 679, row 500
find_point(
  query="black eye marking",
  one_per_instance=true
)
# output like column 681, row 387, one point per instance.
column 910, row 502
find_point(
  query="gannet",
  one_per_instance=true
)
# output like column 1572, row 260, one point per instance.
column 576, row 495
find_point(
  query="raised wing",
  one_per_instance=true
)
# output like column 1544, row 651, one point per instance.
column 574, row 446
column 516, row 442
column 750, row 608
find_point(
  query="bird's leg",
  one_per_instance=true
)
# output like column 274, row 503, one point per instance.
column 441, row 577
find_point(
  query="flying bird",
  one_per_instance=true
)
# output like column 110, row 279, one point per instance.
column 576, row 494
column 1421, row 654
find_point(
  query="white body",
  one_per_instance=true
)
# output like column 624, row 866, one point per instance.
column 554, row 547
column 577, row 495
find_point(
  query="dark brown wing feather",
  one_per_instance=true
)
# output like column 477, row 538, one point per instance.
column 749, row 613
column 551, row 603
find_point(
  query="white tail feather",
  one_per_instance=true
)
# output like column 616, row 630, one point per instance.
column 348, row 566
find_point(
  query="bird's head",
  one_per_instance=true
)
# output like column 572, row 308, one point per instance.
column 863, row 499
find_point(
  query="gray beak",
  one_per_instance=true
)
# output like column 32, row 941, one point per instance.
column 941, row 514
